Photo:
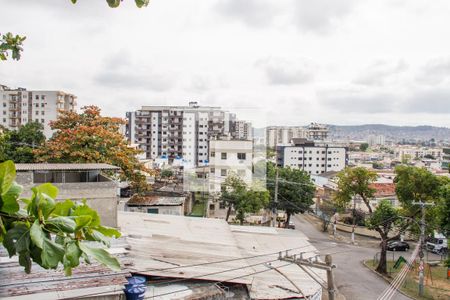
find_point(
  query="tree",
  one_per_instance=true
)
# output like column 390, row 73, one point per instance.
column 166, row 173
column 47, row 232
column 364, row 147
column 232, row 191
column 383, row 219
column 89, row 137
column 356, row 182
column 443, row 207
column 18, row 145
column 10, row 43
column 237, row 195
column 413, row 184
column 116, row 3
column 295, row 189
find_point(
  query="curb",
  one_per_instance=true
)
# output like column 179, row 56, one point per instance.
column 363, row 262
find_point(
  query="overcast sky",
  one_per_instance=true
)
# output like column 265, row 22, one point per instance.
column 277, row 62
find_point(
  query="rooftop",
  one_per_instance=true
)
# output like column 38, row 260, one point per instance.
column 65, row 167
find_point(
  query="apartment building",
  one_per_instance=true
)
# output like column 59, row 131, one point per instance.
column 376, row 140
column 242, row 130
column 412, row 153
column 312, row 157
column 21, row 106
column 282, row 135
column 228, row 157
column 175, row 132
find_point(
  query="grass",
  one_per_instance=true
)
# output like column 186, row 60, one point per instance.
column 198, row 210
column 437, row 286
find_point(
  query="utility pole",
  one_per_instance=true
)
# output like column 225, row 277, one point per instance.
column 275, row 200
column 314, row 263
column 422, row 244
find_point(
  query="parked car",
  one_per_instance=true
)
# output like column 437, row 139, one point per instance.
column 397, row 246
column 291, row 225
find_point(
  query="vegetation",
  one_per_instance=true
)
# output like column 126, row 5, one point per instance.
column 88, row 137
column 436, row 282
column 11, row 45
column 166, row 173
column 364, row 147
column 18, row 145
column 236, row 195
column 355, row 182
column 295, row 190
column 116, row 3
column 47, row 232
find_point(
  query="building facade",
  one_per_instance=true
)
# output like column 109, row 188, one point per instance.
column 312, row 157
column 184, row 132
column 282, row 135
column 229, row 157
column 21, row 106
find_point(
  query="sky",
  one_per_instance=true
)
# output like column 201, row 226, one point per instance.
column 274, row 62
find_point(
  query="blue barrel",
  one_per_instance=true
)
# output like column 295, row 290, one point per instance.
column 135, row 292
column 135, row 288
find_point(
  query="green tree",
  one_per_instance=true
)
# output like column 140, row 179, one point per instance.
column 166, row 173
column 383, row 219
column 236, row 194
column 295, row 189
column 47, row 232
column 233, row 190
column 443, row 207
column 18, row 145
column 356, row 182
column 364, row 147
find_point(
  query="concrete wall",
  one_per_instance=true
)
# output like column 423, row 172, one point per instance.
column 101, row 196
column 162, row 210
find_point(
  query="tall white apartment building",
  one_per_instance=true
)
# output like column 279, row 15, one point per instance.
column 312, row 157
column 374, row 140
column 243, row 130
column 21, row 106
column 229, row 157
column 282, row 135
column 179, row 132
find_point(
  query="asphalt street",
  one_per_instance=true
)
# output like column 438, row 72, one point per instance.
column 352, row 278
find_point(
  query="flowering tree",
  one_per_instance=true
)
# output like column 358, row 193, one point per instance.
column 88, row 137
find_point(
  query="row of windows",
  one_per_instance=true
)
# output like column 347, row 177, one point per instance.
column 317, row 151
column 224, row 155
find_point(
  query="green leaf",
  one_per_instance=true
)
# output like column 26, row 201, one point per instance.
column 141, row 3
column 25, row 261
column 52, row 254
column 7, row 176
column 9, row 199
column 93, row 235
column 84, row 210
column 63, row 208
column 17, row 239
column 64, row 224
column 37, row 234
column 48, row 189
column 74, row 1
column 113, row 3
column 82, row 221
column 108, row 231
column 100, row 255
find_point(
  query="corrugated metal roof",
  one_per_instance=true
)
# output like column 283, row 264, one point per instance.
column 65, row 167
column 160, row 242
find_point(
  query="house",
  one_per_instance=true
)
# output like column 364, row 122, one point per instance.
column 159, row 202
column 76, row 181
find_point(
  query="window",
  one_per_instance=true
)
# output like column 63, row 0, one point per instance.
column 4, row 104
column 212, row 170
column 223, row 172
column 42, row 121
column 37, row 113
column 213, row 154
column 223, row 155
column 36, row 104
column 43, row 97
column 241, row 155
column 37, row 97
column 42, row 112
column 42, row 104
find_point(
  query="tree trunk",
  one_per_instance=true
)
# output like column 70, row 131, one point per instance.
column 228, row 213
column 382, row 268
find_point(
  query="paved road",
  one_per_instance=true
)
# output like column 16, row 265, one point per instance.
column 353, row 279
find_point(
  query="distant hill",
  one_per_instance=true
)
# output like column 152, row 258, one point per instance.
column 395, row 133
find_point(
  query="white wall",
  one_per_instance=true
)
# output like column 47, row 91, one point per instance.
column 315, row 160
